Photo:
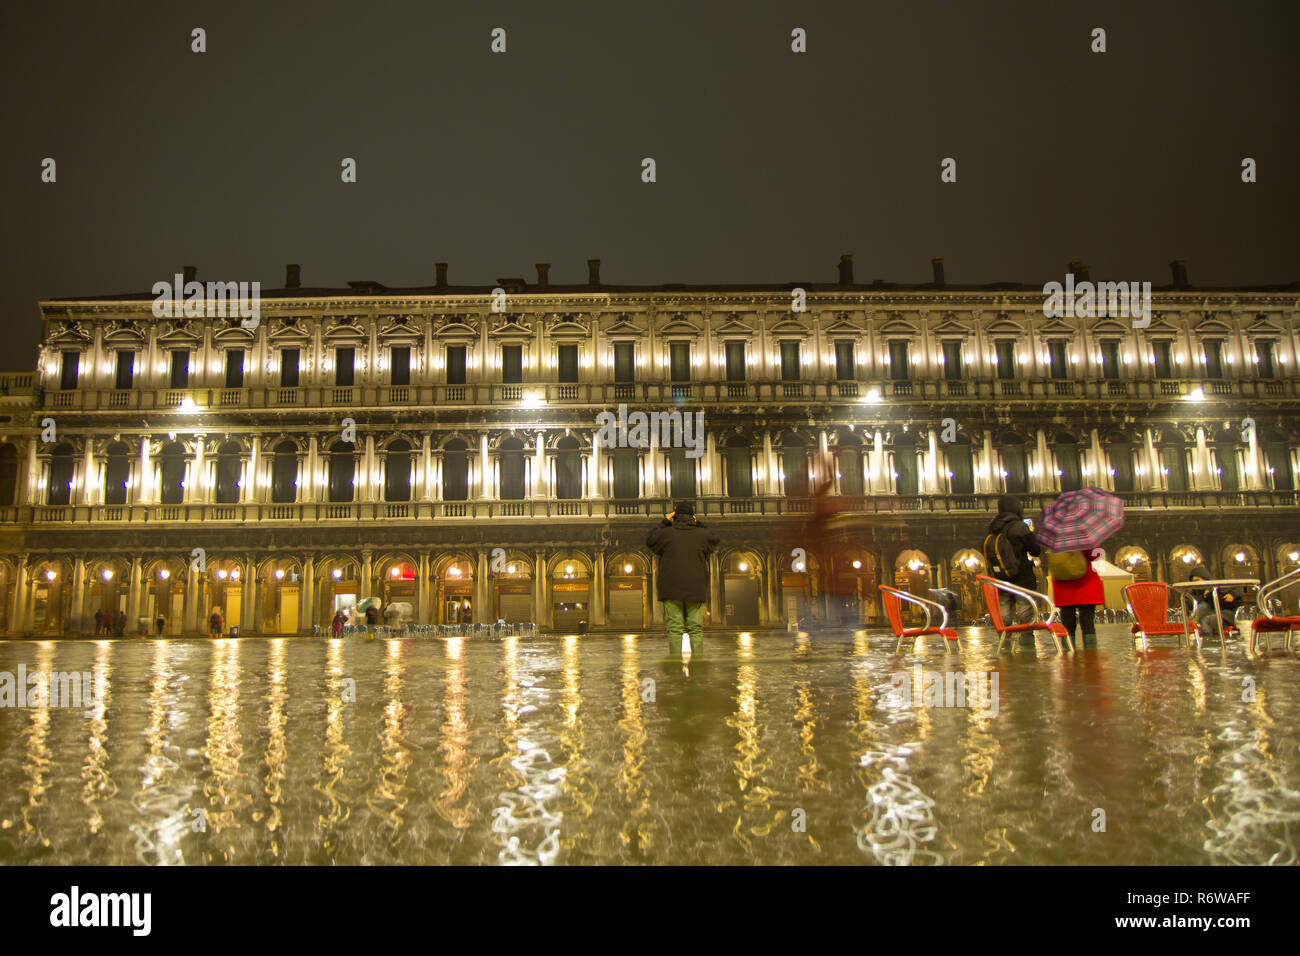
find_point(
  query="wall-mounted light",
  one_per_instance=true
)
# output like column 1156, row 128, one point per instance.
column 164, row 574
column 51, row 575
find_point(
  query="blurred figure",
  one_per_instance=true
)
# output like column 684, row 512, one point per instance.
column 1203, row 613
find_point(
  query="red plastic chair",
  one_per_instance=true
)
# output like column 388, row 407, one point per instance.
column 1269, row 623
column 1148, row 602
column 892, row 598
column 1044, row 612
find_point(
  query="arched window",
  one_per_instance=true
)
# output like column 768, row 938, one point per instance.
column 455, row 470
column 794, row 465
column 8, row 475
column 397, row 471
column 1067, row 462
column 681, row 474
column 962, row 466
column 1119, row 449
column 229, row 460
column 171, row 474
column 1173, row 462
column 510, row 460
column 568, row 468
column 627, row 479
column 905, row 465
column 117, row 472
column 61, row 465
column 284, row 474
column 740, row 468
column 848, row 462
column 1277, row 460
column 342, row 471
column 1225, row 460
column 1015, row 463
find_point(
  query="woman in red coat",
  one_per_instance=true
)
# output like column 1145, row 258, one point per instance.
column 1078, row 600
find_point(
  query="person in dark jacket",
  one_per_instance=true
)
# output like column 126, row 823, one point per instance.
column 683, row 546
column 1203, row 612
column 1020, row 542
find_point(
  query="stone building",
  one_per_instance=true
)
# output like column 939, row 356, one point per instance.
column 440, row 447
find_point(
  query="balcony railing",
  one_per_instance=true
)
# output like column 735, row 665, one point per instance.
column 604, row 509
column 609, row 394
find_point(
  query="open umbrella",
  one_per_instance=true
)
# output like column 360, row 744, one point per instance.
column 1079, row 519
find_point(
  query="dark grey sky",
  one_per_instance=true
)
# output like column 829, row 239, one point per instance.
column 770, row 164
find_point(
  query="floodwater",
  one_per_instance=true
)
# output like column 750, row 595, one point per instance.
column 769, row 748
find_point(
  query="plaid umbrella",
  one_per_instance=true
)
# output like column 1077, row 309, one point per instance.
column 1078, row 520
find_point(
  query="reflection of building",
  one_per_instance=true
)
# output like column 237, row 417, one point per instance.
column 474, row 486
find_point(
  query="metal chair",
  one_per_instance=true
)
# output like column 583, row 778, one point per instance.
column 1148, row 602
column 893, row 598
column 1045, row 612
column 1269, row 623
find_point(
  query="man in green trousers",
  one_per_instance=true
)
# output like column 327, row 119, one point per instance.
column 683, row 546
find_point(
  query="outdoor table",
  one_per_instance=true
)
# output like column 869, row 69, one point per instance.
column 1214, row 586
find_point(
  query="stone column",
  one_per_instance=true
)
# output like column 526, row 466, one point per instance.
column 991, row 482
column 595, row 482
column 87, row 475
column 485, row 468
column 422, row 583
column 308, row 494
column 541, row 591
column 769, row 486
column 22, row 583
column 133, row 596
column 369, row 492
column 716, row 591
column 190, row 616
column 480, row 588
column 256, row 626
column 936, row 473
column 144, row 493
column 426, row 472
column 1156, row 481
column 194, row 485
column 77, row 610
column 598, row 617
column 652, row 592
column 308, row 620
column 364, row 585
column 248, row 617
column 539, row 467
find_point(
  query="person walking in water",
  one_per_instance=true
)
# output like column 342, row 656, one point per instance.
column 336, row 628
column 1007, row 547
column 683, row 546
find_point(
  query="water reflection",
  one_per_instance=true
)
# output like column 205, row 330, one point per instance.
column 776, row 748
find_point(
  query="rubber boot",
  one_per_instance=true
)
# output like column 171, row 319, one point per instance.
column 1090, row 640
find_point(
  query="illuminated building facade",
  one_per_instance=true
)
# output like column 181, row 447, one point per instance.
column 437, row 447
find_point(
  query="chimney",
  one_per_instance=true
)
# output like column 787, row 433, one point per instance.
column 593, row 272
column 1080, row 271
column 937, row 266
column 441, row 282
column 1179, row 266
column 543, row 275
column 846, row 269
column 293, row 276
column 190, row 273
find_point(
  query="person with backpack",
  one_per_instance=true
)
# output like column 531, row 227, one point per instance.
column 1077, row 590
column 1007, row 548
column 215, row 623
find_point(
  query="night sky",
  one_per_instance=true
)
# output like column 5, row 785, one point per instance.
column 770, row 163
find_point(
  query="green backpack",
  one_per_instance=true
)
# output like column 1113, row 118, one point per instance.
column 1069, row 566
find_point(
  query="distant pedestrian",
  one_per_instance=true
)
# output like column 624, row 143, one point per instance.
column 683, row 546
column 160, row 623
column 336, row 628
column 216, row 623
column 1077, row 590
column 99, row 623
column 1007, row 548
column 372, row 618
column 119, row 622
